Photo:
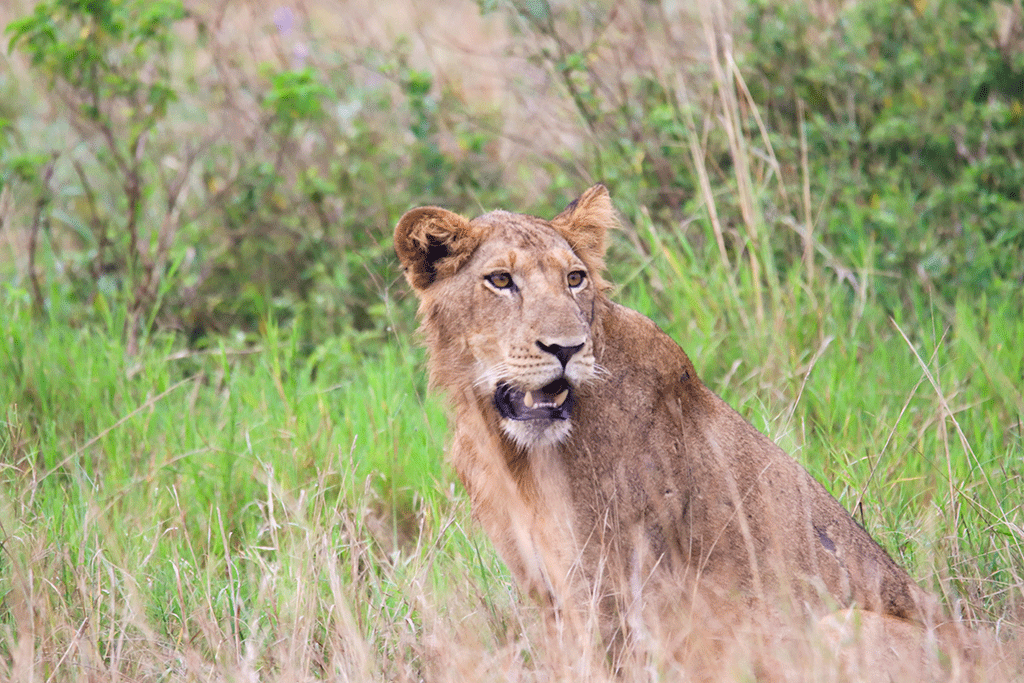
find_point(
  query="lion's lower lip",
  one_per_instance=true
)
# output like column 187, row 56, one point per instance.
column 552, row 402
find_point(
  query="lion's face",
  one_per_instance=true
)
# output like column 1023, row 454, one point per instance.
column 530, row 304
column 507, row 303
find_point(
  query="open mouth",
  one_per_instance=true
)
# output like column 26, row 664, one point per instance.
column 551, row 402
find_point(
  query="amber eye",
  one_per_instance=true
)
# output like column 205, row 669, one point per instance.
column 576, row 278
column 500, row 280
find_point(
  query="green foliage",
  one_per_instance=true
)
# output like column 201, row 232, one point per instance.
column 208, row 217
column 633, row 127
column 911, row 117
column 102, row 49
column 85, row 420
column 109, row 59
column 915, row 119
column 295, row 95
column 196, row 475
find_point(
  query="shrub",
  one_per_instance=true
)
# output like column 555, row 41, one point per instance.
column 175, row 187
column 915, row 120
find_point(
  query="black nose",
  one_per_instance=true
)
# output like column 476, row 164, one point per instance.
column 562, row 353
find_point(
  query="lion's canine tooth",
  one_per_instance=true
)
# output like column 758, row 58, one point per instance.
column 560, row 398
column 528, row 399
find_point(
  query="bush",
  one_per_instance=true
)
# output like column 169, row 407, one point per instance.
column 910, row 114
column 915, row 120
column 174, row 187
column 187, row 190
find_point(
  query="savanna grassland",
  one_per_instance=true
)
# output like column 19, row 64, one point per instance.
column 218, row 457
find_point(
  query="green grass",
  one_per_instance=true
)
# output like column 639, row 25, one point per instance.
column 286, row 511
column 184, row 502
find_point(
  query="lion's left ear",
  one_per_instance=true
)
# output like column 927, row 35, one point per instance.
column 585, row 224
column 433, row 243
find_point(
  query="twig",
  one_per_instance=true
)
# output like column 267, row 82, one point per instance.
column 878, row 461
column 825, row 343
column 808, row 221
column 99, row 227
column 727, row 76
column 33, row 236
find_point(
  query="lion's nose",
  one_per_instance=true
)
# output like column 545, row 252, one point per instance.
column 562, row 353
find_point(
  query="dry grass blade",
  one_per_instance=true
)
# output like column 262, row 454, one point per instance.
column 949, row 414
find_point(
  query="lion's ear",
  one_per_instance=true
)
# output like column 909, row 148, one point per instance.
column 586, row 221
column 433, row 243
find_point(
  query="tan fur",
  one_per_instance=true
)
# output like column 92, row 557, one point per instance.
column 656, row 498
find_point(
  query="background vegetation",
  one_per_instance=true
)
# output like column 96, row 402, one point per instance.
column 217, row 456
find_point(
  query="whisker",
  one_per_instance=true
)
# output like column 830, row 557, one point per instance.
column 492, row 374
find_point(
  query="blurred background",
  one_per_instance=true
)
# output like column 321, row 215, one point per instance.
column 206, row 164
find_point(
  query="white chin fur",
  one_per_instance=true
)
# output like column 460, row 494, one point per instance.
column 536, row 433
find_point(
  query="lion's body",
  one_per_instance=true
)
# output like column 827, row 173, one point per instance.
column 647, row 490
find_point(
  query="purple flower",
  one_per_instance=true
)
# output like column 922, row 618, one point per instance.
column 284, row 19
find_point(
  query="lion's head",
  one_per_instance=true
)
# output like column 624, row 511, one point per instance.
column 509, row 301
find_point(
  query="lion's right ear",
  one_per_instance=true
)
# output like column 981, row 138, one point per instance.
column 432, row 243
column 585, row 224
column 586, row 221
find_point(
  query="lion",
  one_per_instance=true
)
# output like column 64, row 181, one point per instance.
column 610, row 479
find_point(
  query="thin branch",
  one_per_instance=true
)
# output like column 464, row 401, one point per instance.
column 99, row 227
column 805, row 171
column 33, row 236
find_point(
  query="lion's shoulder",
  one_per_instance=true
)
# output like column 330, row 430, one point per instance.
column 633, row 343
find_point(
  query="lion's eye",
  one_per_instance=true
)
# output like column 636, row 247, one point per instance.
column 500, row 280
column 576, row 278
